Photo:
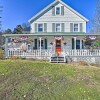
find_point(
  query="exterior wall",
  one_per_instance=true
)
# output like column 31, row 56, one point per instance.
column 67, row 39
column 69, row 17
column 50, row 39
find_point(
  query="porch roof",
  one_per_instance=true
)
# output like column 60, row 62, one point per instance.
column 53, row 34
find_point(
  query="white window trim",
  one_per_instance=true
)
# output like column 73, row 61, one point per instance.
column 55, row 10
column 78, row 27
column 55, row 26
column 38, row 24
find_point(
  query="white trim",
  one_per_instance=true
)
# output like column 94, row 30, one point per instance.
column 75, row 38
column 42, row 11
column 52, row 34
column 38, row 46
column 71, row 9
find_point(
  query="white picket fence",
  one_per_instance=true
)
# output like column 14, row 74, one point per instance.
column 49, row 53
column 82, row 52
column 30, row 54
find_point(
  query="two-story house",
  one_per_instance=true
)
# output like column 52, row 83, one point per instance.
column 57, row 28
column 58, row 25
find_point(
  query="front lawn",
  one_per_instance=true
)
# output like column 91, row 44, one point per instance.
column 32, row 80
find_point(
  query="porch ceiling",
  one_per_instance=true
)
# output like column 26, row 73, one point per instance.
column 53, row 34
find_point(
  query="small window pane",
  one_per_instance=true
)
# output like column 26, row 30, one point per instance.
column 75, row 29
column 76, row 25
column 58, row 11
column 40, row 27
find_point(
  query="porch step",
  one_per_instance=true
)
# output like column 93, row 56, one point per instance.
column 58, row 59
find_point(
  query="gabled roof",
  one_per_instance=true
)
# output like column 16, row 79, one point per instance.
column 52, row 4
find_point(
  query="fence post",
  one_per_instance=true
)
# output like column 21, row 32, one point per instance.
column 6, row 47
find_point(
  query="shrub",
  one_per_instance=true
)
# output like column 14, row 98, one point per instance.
column 97, row 43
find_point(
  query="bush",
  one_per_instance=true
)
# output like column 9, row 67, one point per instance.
column 97, row 43
column 1, row 54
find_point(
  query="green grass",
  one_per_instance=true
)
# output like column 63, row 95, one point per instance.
column 33, row 80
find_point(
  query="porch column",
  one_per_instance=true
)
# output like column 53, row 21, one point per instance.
column 80, row 44
column 74, row 43
column 40, row 38
column 6, row 47
column 75, row 46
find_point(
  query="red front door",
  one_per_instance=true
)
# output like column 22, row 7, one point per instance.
column 58, row 46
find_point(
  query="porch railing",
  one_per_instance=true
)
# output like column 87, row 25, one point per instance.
column 82, row 52
column 49, row 53
column 30, row 54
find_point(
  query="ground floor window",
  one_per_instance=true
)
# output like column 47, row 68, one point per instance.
column 43, row 44
column 77, row 44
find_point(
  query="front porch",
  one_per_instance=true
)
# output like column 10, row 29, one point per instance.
column 43, row 46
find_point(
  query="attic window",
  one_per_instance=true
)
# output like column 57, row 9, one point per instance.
column 58, row 10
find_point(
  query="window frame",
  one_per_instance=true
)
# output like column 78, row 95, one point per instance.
column 56, row 27
column 75, row 27
column 56, row 11
column 38, row 27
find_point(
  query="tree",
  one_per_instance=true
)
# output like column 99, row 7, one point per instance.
column 25, row 26
column 92, row 43
column 0, row 16
column 18, row 30
column 96, row 19
column 8, row 31
column 1, row 40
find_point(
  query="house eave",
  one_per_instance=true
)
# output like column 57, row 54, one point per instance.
column 42, row 11
column 53, row 34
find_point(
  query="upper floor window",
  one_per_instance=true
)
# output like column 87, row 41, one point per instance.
column 58, row 10
column 75, row 27
column 58, row 27
column 40, row 27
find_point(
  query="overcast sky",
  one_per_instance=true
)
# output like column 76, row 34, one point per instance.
column 16, row 12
